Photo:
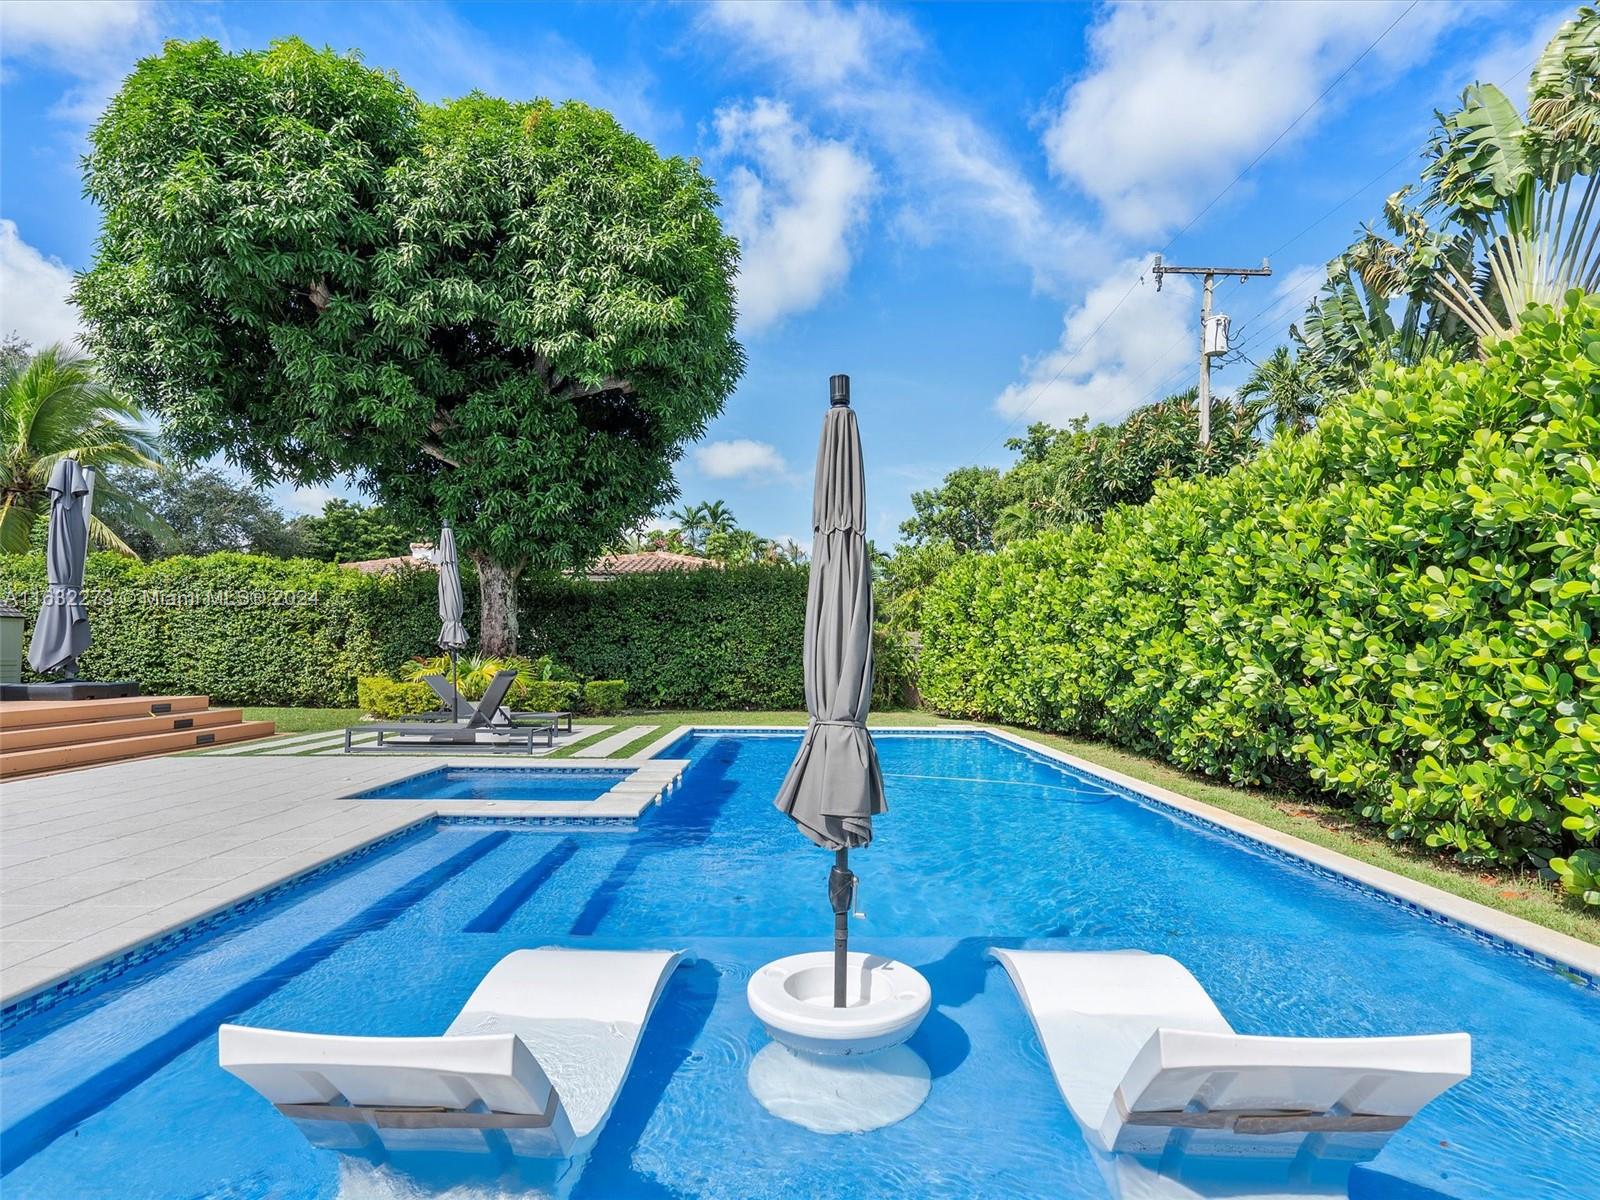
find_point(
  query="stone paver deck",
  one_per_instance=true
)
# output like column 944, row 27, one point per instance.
column 96, row 862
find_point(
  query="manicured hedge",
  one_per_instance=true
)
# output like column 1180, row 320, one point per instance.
column 252, row 630
column 712, row 639
column 1400, row 608
column 241, row 628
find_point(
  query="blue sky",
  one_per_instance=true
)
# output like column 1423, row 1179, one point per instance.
column 950, row 203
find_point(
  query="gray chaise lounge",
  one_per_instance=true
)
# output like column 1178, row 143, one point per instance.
column 453, row 703
column 459, row 737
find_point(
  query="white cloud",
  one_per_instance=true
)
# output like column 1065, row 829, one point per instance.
column 1180, row 97
column 951, row 179
column 34, row 291
column 70, row 34
column 1110, row 357
column 794, row 203
column 740, row 457
column 95, row 43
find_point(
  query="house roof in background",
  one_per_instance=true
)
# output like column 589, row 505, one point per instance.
column 378, row 566
column 646, row 562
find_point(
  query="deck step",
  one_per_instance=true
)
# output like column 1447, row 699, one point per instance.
column 89, row 753
column 42, row 736
column 29, row 714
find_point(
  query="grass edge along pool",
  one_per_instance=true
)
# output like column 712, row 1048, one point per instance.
column 501, row 783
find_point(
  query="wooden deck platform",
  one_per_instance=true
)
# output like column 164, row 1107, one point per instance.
column 57, row 735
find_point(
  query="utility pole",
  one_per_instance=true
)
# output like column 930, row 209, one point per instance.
column 1208, row 346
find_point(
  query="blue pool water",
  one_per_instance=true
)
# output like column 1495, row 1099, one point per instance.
column 500, row 783
column 117, row 1093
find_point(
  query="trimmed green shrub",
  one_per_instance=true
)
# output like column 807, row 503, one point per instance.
column 712, row 639
column 546, row 695
column 380, row 696
column 605, row 697
column 1399, row 608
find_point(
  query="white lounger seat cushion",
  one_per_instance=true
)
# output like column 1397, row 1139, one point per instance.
column 535, row 1060
column 1148, row 1065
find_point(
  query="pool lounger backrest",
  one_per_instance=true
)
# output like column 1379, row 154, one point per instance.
column 473, row 1083
column 1234, row 1084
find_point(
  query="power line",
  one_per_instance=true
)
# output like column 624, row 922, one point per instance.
column 1138, row 279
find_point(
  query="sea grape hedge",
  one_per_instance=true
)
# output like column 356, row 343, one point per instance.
column 255, row 630
column 1400, row 608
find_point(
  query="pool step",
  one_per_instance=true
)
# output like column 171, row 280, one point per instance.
column 40, row 736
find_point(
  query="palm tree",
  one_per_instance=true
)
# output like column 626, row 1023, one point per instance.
column 1290, row 387
column 718, row 517
column 691, row 519
column 52, row 406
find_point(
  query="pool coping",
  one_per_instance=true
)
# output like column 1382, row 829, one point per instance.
column 649, row 782
column 1553, row 948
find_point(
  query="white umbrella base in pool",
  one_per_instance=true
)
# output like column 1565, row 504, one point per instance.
column 839, row 1070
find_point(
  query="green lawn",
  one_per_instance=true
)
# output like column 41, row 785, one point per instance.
column 1522, row 894
column 305, row 720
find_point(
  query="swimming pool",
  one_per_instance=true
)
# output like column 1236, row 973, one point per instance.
column 500, row 783
column 117, row 1092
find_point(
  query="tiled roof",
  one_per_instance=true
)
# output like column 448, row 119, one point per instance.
column 647, row 562
column 377, row 566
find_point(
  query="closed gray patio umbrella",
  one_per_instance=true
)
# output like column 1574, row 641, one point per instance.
column 452, row 633
column 61, row 633
column 834, row 786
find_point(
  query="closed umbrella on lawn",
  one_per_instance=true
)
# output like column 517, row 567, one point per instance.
column 61, row 633
column 834, row 787
column 452, row 633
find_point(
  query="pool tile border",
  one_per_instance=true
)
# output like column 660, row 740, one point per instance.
column 1573, row 959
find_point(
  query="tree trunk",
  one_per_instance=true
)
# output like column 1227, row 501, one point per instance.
column 497, row 606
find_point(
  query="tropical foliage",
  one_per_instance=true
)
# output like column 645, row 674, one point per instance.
column 1401, row 607
column 510, row 315
column 1520, row 190
column 53, row 405
column 1062, row 477
column 202, row 512
column 1289, row 388
column 1505, row 218
column 348, row 532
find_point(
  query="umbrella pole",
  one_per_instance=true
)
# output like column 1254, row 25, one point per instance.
column 841, row 890
column 455, row 687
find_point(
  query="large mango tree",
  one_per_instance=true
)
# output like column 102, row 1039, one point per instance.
column 511, row 315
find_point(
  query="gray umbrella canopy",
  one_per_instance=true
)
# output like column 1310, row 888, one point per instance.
column 834, row 786
column 61, row 633
column 452, row 633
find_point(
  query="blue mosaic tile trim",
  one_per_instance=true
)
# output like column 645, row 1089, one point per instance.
column 74, row 985
column 540, row 822
column 1483, row 937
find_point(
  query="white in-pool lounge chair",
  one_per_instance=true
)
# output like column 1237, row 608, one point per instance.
column 1180, row 1105
column 530, row 1067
